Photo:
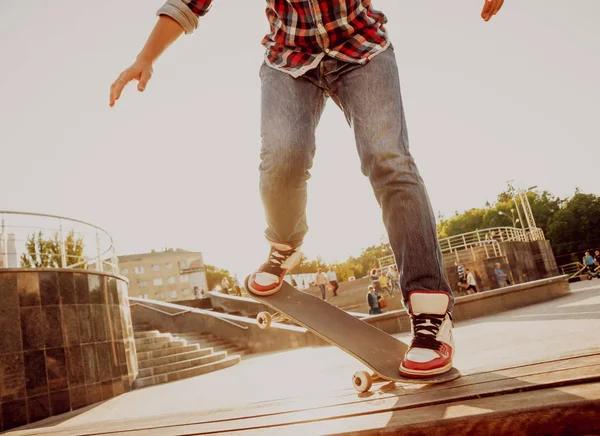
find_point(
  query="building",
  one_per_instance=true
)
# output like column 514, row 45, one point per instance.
column 170, row 275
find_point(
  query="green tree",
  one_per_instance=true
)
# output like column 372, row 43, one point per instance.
column 214, row 275
column 41, row 252
column 575, row 227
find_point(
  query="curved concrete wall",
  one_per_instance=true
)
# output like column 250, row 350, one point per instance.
column 66, row 342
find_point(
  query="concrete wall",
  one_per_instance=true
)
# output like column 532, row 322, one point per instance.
column 484, row 303
column 522, row 261
column 66, row 341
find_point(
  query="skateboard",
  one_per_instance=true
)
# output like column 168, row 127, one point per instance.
column 379, row 351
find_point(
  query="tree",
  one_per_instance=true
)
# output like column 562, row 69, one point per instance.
column 575, row 227
column 214, row 275
column 45, row 253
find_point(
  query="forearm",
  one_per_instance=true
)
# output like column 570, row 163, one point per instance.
column 165, row 32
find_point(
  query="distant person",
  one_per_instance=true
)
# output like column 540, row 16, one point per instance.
column 373, row 301
column 597, row 258
column 332, row 277
column 460, row 270
column 589, row 263
column 385, row 285
column 237, row 288
column 471, row 283
column 374, row 276
column 501, row 276
column 322, row 281
column 225, row 285
column 392, row 275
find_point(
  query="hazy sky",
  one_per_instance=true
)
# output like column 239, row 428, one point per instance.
column 177, row 166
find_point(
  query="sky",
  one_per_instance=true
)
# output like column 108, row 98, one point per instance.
column 177, row 166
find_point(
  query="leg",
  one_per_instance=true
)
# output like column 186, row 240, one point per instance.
column 290, row 111
column 370, row 96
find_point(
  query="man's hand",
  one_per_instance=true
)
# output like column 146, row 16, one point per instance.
column 140, row 70
column 491, row 8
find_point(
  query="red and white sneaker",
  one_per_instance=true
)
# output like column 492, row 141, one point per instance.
column 432, row 347
column 269, row 277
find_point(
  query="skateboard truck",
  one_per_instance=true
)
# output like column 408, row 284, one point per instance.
column 264, row 319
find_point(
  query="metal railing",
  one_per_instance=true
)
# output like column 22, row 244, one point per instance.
column 576, row 269
column 36, row 240
column 136, row 302
column 486, row 236
column 480, row 244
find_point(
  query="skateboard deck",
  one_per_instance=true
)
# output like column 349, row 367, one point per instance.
column 376, row 349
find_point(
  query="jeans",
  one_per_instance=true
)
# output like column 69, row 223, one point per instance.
column 370, row 98
column 323, row 289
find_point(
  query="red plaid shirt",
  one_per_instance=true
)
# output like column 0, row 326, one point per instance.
column 304, row 31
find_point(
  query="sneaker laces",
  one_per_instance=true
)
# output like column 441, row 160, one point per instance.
column 275, row 260
column 425, row 330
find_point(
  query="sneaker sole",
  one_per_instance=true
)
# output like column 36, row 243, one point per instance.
column 411, row 373
column 261, row 293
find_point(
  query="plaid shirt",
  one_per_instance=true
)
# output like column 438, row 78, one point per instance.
column 304, row 31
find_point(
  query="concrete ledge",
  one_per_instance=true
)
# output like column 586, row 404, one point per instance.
column 242, row 331
column 483, row 303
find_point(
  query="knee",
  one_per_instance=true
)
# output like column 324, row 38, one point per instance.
column 389, row 169
column 287, row 156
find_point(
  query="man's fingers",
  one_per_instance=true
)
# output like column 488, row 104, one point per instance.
column 117, row 87
column 497, row 6
column 145, row 76
column 491, row 8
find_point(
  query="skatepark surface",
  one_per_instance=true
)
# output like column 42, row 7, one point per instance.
column 524, row 371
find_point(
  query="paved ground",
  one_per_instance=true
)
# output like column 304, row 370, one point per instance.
column 566, row 326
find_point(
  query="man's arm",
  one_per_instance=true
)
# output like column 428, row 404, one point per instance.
column 175, row 18
column 491, row 8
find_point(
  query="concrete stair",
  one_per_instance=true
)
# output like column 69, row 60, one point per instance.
column 207, row 340
column 165, row 357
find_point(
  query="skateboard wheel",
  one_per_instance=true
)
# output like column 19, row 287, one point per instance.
column 362, row 381
column 264, row 320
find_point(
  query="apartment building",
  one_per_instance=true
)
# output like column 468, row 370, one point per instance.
column 169, row 275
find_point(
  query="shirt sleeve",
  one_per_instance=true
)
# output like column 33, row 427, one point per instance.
column 185, row 12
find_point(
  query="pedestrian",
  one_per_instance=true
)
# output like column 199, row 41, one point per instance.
column 373, row 301
column 332, row 277
column 471, row 282
column 225, row 285
column 316, row 51
column 590, row 264
column 392, row 275
column 460, row 270
column 374, row 276
column 237, row 288
column 501, row 276
column 322, row 282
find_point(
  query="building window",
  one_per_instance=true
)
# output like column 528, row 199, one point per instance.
column 157, row 282
column 186, row 292
column 125, row 271
column 183, row 264
column 172, row 280
column 141, row 283
column 139, row 269
column 184, row 278
column 169, row 265
column 155, row 267
column 173, row 294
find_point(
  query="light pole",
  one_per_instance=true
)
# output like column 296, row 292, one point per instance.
column 512, row 216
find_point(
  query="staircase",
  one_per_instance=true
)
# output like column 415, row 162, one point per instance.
column 163, row 357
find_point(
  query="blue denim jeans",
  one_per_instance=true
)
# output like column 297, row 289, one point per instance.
column 371, row 100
